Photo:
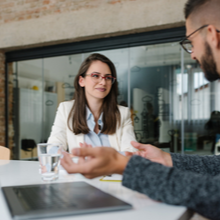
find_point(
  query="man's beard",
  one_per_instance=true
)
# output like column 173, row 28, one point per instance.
column 209, row 65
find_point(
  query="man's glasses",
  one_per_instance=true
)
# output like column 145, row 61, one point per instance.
column 98, row 78
column 186, row 43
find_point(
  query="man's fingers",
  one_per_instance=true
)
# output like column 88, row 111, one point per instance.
column 88, row 158
column 138, row 145
column 65, row 164
column 66, row 158
column 73, row 167
column 81, row 160
column 127, row 153
column 84, row 145
column 83, row 152
column 137, row 153
column 84, row 166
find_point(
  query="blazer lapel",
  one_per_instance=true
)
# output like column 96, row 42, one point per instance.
column 113, row 141
column 79, row 139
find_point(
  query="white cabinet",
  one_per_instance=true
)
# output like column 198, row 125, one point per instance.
column 37, row 111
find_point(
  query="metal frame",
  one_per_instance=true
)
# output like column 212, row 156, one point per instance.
column 131, row 40
column 6, row 105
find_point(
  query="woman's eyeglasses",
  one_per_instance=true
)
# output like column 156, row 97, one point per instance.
column 96, row 77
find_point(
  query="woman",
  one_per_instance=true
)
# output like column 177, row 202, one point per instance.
column 93, row 116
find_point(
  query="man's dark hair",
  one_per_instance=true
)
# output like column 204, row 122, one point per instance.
column 192, row 5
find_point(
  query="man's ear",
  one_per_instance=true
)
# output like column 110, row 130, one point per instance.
column 81, row 81
column 213, row 36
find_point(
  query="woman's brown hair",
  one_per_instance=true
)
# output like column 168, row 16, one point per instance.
column 111, row 114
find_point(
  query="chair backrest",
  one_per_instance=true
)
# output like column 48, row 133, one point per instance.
column 4, row 153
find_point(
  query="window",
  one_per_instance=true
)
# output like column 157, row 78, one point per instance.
column 169, row 109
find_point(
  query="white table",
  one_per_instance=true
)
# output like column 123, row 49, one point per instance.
column 26, row 172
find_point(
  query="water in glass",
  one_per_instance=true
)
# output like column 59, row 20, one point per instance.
column 49, row 158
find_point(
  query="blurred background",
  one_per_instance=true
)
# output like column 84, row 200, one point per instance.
column 43, row 44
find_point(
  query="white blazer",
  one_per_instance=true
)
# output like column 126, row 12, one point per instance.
column 62, row 134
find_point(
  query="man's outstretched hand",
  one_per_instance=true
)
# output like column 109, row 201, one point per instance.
column 151, row 153
column 94, row 162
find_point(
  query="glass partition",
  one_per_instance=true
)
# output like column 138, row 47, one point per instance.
column 172, row 105
column 28, row 89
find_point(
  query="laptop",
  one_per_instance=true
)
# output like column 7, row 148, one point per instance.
column 59, row 199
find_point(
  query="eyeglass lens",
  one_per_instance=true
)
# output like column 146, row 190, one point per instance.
column 97, row 78
column 188, row 46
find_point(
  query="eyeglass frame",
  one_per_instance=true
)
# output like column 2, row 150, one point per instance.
column 186, row 38
column 102, row 77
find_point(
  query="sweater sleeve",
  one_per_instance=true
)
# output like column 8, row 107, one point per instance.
column 200, row 193
column 198, row 164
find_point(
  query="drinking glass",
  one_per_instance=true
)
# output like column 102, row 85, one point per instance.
column 49, row 158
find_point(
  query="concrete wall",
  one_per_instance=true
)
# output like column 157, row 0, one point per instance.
column 31, row 23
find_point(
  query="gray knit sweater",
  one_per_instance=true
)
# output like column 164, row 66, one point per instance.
column 193, row 181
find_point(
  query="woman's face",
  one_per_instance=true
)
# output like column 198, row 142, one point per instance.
column 96, row 88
